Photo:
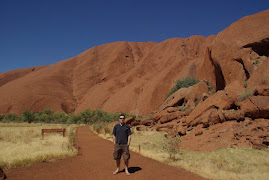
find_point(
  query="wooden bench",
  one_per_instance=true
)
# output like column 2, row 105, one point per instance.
column 52, row 131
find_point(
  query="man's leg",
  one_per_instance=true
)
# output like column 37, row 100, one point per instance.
column 126, row 157
column 117, row 156
column 118, row 166
column 126, row 162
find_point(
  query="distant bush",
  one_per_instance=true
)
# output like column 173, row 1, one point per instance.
column 61, row 118
column 187, row 82
column 12, row 117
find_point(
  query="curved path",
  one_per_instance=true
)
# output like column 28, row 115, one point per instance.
column 95, row 161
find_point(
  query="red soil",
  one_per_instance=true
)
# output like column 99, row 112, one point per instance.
column 95, row 161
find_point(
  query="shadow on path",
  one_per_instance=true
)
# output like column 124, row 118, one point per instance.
column 132, row 169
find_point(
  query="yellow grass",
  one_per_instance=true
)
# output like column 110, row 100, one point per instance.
column 226, row 164
column 21, row 144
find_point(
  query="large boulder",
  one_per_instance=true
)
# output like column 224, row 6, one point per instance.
column 171, row 116
column 221, row 100
column 255, row 106
column 147, row 122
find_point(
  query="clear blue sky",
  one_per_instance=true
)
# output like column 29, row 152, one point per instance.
column 42, row 32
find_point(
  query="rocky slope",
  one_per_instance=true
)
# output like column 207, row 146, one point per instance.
column 136, row 77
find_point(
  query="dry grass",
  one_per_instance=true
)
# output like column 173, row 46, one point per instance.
column 21, row 144
column 226, row 164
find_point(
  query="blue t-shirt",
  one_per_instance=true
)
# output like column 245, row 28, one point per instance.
column 121, row 133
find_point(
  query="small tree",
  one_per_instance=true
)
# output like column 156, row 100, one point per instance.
column 171, row 146
column 27, row 116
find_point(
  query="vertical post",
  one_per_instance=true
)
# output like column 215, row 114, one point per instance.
column 42, row 134
column 63, row 132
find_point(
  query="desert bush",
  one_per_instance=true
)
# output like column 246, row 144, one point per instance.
column 187, row 82
column 45, row 116
column 171, row 146
column 27, row 116
column 60, row 118
column 245, row 95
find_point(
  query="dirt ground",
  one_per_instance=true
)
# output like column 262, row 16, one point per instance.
column 95, row 161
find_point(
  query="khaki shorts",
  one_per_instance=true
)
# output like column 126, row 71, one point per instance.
column 121, row 150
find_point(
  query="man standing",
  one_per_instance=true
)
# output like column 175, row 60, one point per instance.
column 121, row 139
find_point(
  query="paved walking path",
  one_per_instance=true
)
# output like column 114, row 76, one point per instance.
column 95, row 161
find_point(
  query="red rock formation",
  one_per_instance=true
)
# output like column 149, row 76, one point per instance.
column 136, row 77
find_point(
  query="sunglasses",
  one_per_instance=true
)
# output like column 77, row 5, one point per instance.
column 122, row 118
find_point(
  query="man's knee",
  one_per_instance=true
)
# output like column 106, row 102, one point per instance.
column 126, row 157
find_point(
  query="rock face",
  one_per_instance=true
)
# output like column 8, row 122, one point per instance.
column 228, row 108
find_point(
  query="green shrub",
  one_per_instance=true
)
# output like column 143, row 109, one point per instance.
column 245, row 95
column 187, row 82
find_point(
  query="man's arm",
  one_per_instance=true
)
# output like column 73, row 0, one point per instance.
column 114, row 139
column 114, row 133
column 129, row 140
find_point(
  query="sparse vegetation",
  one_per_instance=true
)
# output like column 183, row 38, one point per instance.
column 245, row 95
column 187, row 82
column 222, row 164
